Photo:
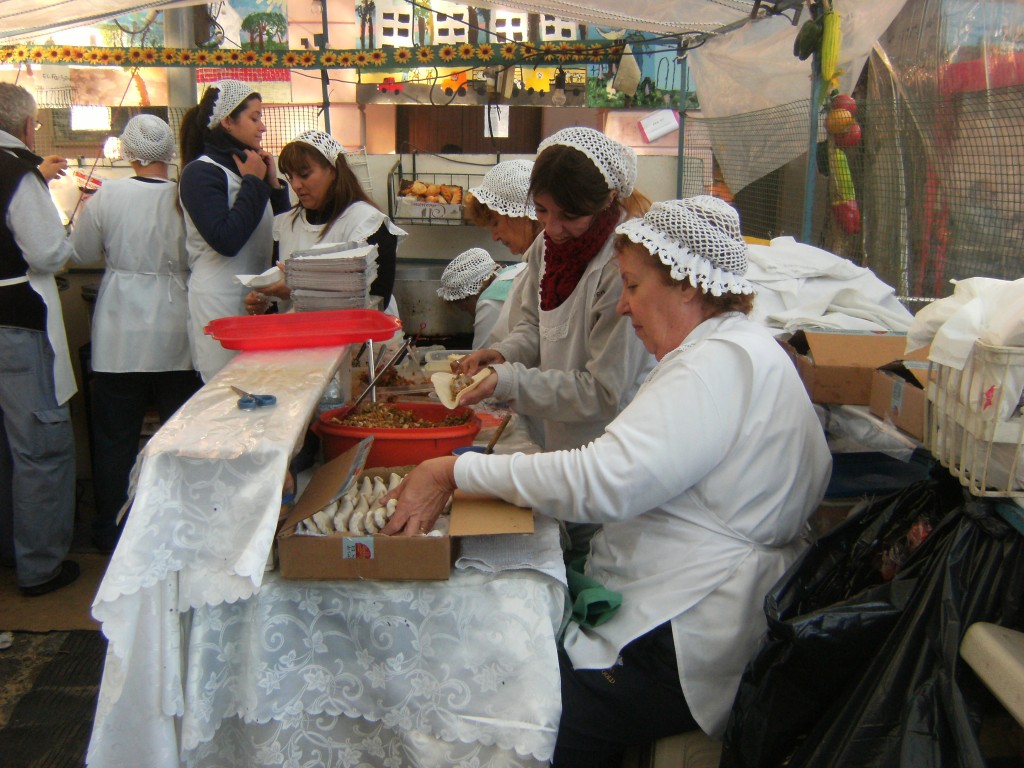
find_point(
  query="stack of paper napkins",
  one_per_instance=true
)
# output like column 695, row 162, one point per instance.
column 331, row 276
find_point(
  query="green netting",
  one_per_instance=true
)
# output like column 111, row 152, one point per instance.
column 937, row 183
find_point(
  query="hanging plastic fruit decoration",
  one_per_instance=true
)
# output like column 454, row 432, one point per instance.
column 823, row 34
column 844, row 196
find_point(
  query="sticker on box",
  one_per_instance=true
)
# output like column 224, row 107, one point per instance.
column 357, row 548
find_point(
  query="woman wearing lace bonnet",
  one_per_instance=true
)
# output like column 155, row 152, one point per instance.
column 703, row 486
column 229, row 194
column 570, row 362
column 332, row 207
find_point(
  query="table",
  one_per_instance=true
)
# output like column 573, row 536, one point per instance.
column 215, row 661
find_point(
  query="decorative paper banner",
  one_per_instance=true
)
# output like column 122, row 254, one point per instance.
column 483, row 55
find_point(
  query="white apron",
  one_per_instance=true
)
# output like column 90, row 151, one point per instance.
column 64, row 386
column 563, row 347
column 213, row 291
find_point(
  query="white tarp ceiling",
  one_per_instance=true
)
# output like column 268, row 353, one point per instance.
column 23, row 18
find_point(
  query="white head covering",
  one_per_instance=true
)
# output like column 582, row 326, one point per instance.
column 505, row 189
column 465, row 274
column 147, row 139
column 230, row 94
column 323, row 143
column 616, row 162
column 699, row 239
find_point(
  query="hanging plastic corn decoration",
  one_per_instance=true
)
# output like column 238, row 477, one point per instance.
column 839, row 172
column 844, row 196
column 829, row 58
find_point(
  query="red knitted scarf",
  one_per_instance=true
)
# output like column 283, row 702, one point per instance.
column 564, row 263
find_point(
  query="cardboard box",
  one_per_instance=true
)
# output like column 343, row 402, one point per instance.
column 838, row 366
column 389, row 558
column 898, row 394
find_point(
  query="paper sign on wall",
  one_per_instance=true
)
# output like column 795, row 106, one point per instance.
column 496, row 122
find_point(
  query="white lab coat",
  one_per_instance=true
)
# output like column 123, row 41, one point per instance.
column 575, row 366
column 704, row 484
column 356, row 223
column 140, row 321
column 213, row 291
column 45, row 248
column 491, row 320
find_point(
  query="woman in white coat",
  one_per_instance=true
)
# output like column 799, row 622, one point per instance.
column 140, row 351
column 502, row 204
column 229, row 192
column 480, row 287
column 704, row 484
column 332, row 207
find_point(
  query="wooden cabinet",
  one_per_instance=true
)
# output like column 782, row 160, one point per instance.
column 438, row 129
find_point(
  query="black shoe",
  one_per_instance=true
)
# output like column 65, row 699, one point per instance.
column 68, row 572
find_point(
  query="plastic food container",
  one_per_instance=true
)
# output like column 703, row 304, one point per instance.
column 397, row 447
column 299, row 330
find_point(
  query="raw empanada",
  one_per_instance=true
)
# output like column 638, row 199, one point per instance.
column 451, row 387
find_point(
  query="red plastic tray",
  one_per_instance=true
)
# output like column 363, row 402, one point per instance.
column 298, row 330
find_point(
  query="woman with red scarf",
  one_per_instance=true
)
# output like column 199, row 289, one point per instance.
column 571, row 361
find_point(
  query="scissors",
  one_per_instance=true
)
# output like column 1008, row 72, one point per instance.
column 248, row 401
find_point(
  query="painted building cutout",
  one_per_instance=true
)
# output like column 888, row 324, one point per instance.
column 396, row 23
column 450, row 23
column 510, row 26
column 555, row 30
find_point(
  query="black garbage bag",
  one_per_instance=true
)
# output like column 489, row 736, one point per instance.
column 861, row 665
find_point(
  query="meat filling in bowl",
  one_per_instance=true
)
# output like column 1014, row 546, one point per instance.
column 389, row 416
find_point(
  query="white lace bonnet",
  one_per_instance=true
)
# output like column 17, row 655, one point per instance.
column 230, row 93
column 323, row 143
column 147, row 139
column 505, row 189
column 699, row 239
column 616, row 162
column 465, row 274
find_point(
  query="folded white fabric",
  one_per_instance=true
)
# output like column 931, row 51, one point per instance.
column 802, row 286
column 980, row 308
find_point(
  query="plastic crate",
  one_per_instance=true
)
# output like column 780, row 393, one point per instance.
column 974, row 423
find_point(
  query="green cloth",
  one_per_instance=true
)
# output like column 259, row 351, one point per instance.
column 592, row 603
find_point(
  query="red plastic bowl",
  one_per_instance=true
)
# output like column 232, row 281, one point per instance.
column 399, row 447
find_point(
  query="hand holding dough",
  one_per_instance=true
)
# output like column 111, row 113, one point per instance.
column 444, row 383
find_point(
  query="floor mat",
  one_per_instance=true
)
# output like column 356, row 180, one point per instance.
column 66, row 609
column 50, row 724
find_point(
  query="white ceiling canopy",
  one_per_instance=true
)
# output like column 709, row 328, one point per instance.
column 661, row 16
column 21, row 19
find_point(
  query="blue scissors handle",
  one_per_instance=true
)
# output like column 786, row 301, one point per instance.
column 248, row 401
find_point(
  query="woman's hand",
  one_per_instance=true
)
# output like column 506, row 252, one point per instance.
column 52, row 167
column 474, row 361
column 253, row 165
column 256, row 303
column 481, row 391
column 278, row 290
column 271, row 177
column 422, row 497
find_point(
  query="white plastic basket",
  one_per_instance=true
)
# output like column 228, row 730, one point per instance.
column 974, row 422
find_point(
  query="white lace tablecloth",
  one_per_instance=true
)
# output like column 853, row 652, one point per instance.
column 213, row 662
